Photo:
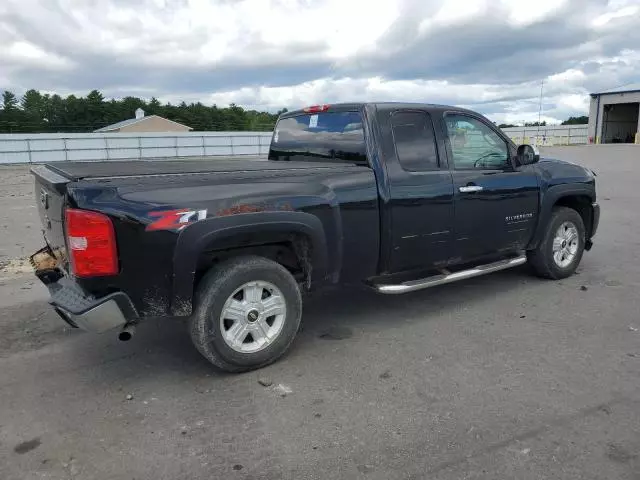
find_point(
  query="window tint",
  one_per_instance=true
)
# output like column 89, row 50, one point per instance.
column 415, row 141
column 475, row 145
column 319, row 137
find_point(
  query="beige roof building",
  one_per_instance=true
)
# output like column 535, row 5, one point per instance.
column 142, row 123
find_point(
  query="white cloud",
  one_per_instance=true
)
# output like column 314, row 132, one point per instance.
column 574, row 102
column 569, row 77
column 484, row 54
column 201, row 32
column 607, row 17
column 525, row 13
column 559, row 91
column 26, row 53
column 453, row 12
column 518, row 12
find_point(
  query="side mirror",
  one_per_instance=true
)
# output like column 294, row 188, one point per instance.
column 527, row 154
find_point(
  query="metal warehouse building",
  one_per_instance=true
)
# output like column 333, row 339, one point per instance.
column 614, row 115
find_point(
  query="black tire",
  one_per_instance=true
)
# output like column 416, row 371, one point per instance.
column 542, row 258
column 213, row 291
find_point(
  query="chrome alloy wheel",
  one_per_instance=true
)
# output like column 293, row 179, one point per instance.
column 565, row 244
column 253, row 317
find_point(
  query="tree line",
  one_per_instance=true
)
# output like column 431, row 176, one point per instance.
column 37, row 113
column 580, row 120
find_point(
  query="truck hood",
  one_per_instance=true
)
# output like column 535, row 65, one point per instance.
column 555, row 170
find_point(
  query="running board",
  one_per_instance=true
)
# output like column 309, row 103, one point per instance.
column 422, row 283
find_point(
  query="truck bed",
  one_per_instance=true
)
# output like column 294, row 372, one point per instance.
column 125, row 168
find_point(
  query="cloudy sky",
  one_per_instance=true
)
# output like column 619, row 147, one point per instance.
column 488, row 55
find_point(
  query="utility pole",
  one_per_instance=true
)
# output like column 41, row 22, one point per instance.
column 540, row 109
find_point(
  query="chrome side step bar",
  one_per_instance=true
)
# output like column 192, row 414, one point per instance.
column 422, row 283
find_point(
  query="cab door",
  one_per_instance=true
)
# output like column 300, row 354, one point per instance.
column 496, row 203
column 421, row 193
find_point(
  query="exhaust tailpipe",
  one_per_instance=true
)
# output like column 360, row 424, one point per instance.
column 127, row 333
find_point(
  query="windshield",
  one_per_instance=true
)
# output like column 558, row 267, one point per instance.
column 320, row 137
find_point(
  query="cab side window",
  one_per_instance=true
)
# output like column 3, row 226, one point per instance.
column 415, row 141
column 475, row 145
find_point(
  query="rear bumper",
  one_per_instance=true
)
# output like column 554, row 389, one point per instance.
column 83, row 311
column 80, row 309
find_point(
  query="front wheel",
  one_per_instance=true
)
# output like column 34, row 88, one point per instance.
column 247, row 313
column 562, row 246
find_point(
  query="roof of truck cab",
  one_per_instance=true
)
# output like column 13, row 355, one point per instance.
column 379, row 105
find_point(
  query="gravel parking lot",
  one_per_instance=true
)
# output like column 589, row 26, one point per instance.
column 499, row 377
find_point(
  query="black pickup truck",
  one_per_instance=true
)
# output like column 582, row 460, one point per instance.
column 399, row 197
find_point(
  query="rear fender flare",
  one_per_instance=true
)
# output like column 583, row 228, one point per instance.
column 196, row 238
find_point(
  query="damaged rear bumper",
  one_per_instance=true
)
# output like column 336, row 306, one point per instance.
column 75, row 306
column 83, row 311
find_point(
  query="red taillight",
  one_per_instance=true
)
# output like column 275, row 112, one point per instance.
column 92, row 243
column 316, row 108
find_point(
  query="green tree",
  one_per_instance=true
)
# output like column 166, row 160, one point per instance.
column 129, row 105
column 33, row 110
column 51, row 113
column 74, row 118
column 9, row 100
column 55, row 113
column 10, row 115
column 95, row 110
column 581, row 120
column 154, row 107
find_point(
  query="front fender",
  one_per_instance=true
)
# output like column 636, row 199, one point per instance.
column 196, row 238
column 551, row 196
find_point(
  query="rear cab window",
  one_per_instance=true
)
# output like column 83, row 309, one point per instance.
column 320, row 137
column 415, row 141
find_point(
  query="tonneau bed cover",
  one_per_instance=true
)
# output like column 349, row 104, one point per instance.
column 120, row 168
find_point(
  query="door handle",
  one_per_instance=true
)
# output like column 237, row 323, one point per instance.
column 470, row 189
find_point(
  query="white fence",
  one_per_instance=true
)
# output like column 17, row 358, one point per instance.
column 52, row 147
column 549, row 135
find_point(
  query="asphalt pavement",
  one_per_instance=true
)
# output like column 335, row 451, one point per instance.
column 500, row 377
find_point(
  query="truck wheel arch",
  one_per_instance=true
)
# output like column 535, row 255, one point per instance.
column 578, row 198
column 203, row 235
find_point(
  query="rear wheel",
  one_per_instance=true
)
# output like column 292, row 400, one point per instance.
column 247, row 313
column 561, row 249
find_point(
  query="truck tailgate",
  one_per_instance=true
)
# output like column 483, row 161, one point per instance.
column 50, row 188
